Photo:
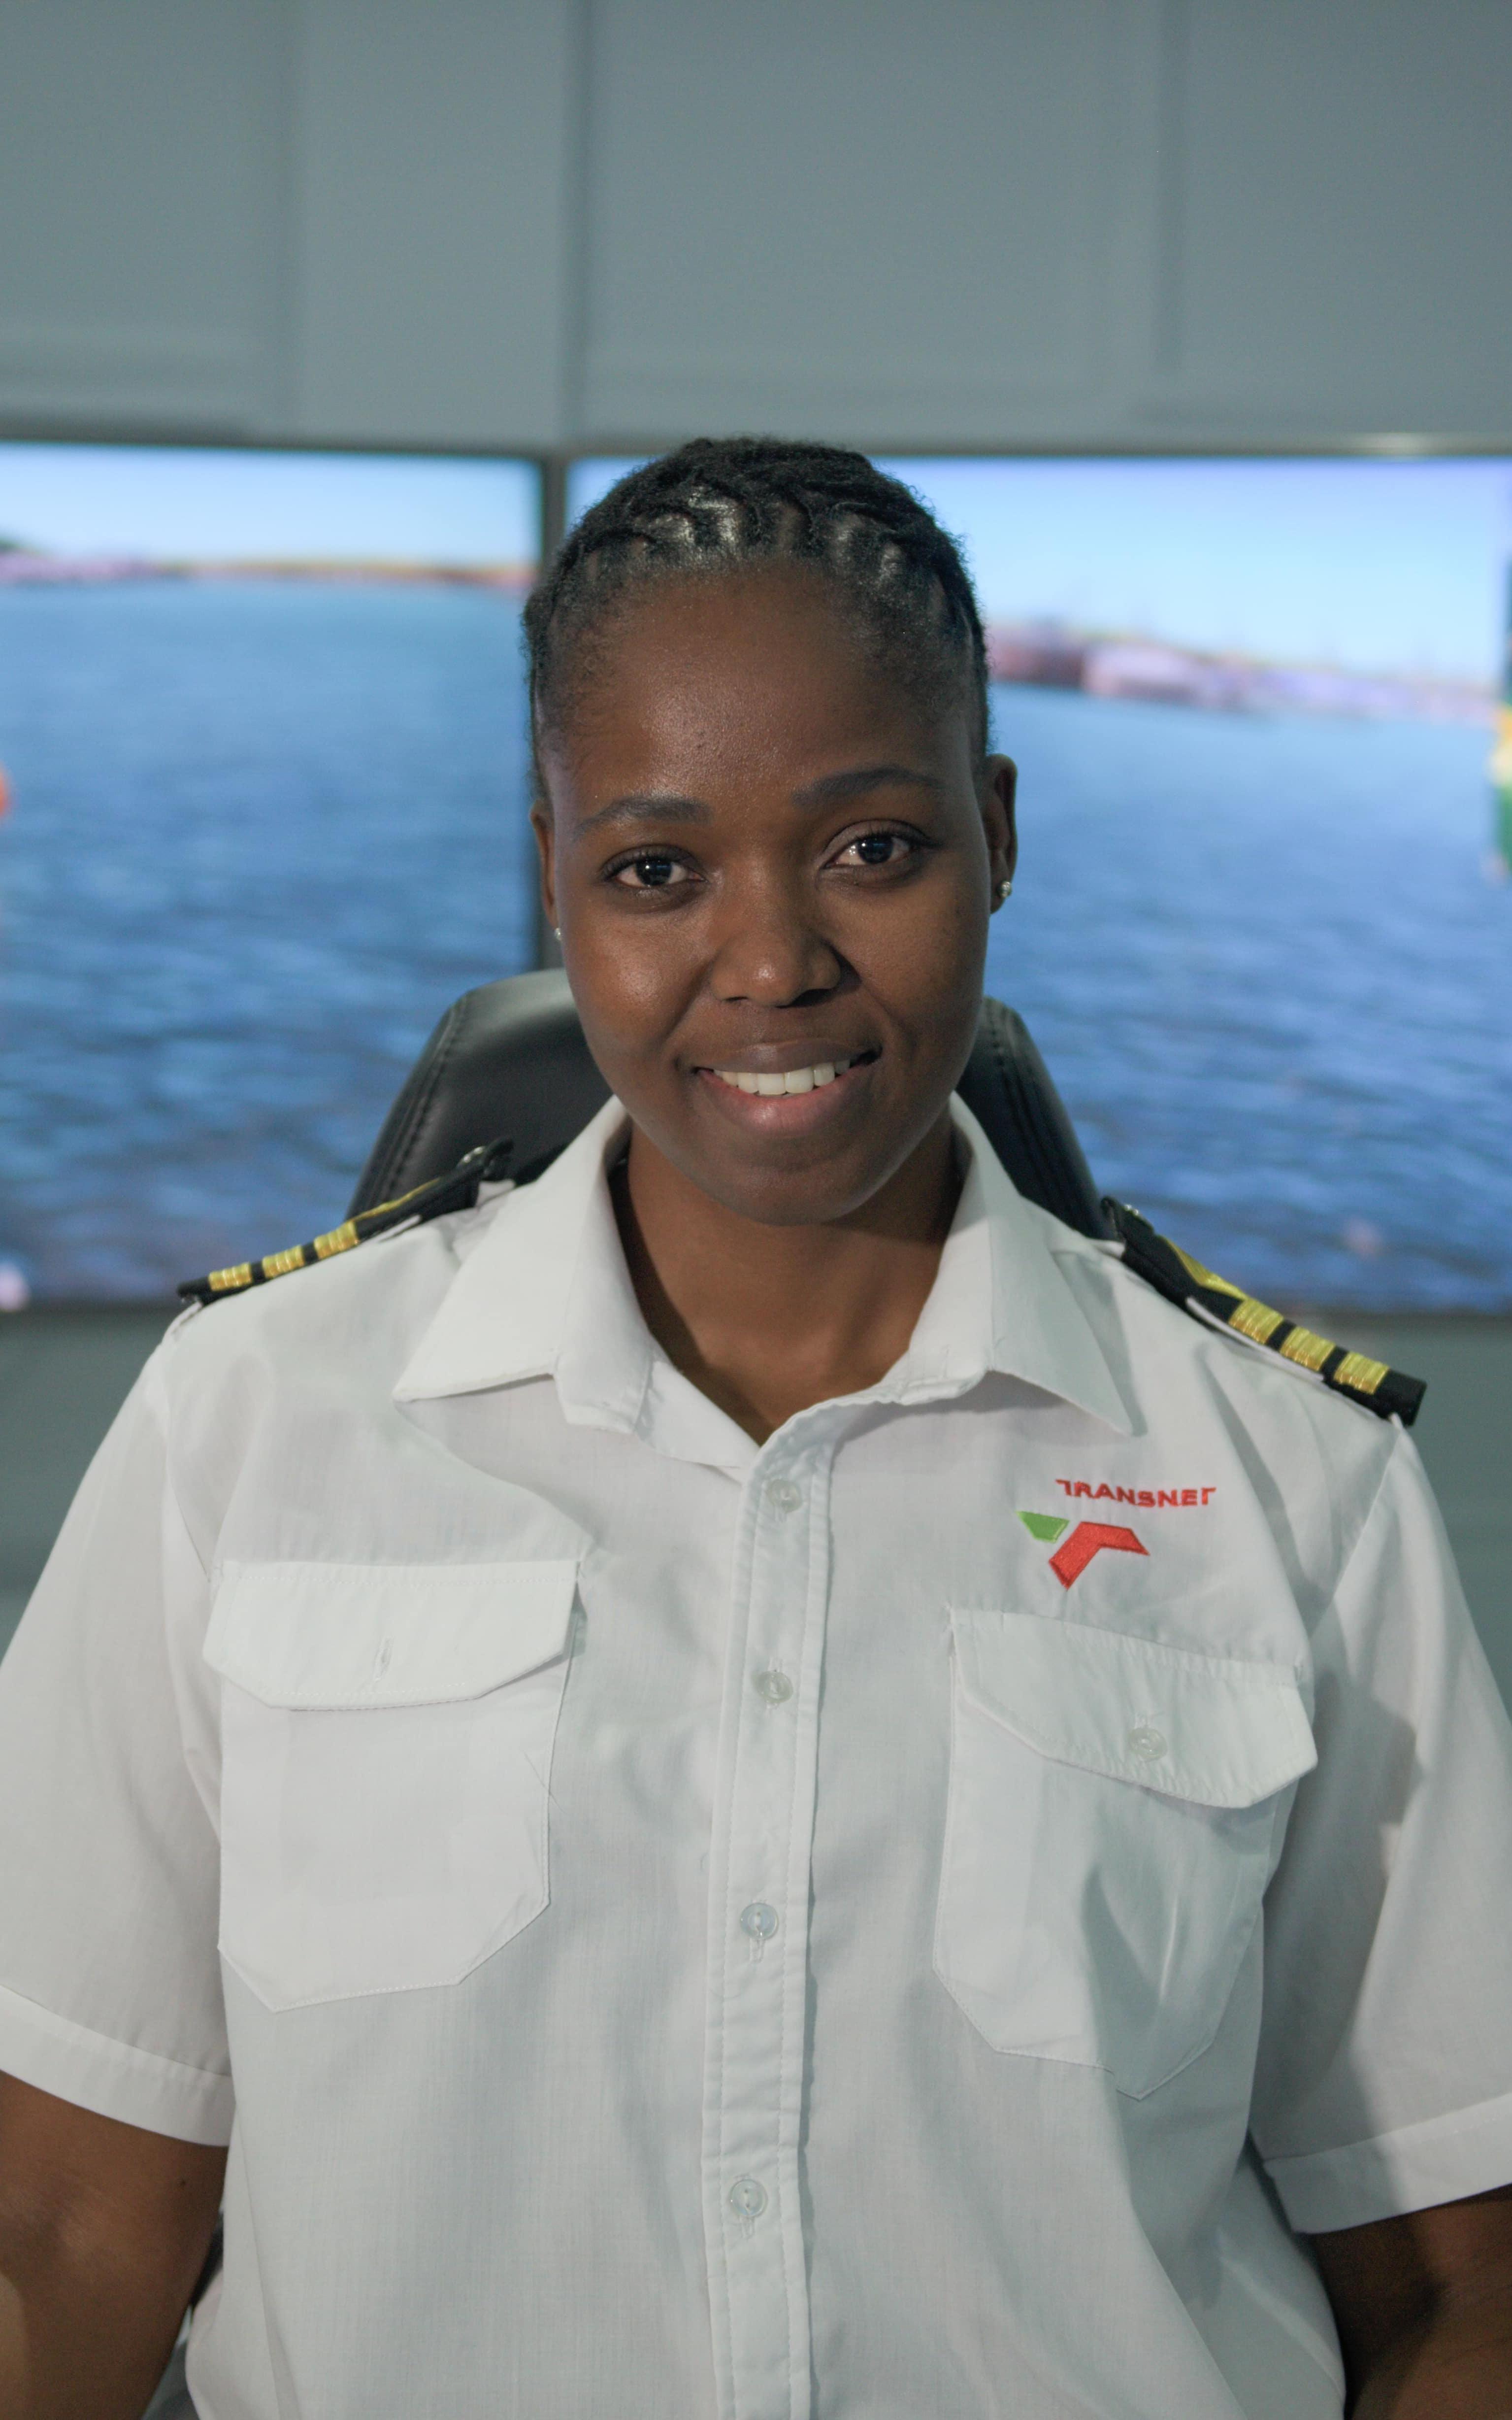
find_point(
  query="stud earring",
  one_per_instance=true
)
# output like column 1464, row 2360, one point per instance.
column 556, row 932
column 1002, row 890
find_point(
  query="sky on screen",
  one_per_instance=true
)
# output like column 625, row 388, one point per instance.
column 1379, row 566
column 1376, row 566
column 203, row 504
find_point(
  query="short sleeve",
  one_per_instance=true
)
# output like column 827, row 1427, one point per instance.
column 110, row 1991
column 1384, row 2077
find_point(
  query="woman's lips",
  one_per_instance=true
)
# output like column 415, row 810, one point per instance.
column 786, row 1102
column 794, row 1079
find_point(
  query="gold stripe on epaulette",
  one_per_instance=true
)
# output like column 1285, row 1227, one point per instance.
column 1359, row 1372
column 1207, row 1277
column 456, row 1188
column 1310, row 1351
column 1255, row 1319
column 1389, row 1394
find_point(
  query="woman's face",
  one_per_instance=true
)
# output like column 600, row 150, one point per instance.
column 769, row 862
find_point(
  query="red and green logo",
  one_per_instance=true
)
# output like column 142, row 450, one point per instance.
column 1088, row 1539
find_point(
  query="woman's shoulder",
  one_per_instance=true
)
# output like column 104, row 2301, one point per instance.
column 346, row 1309
column 1217, row 1302
column 1191, row 1351
column 1141, row 1276
column 1305, row 1439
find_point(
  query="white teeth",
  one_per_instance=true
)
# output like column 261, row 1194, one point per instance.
column 798, row 1080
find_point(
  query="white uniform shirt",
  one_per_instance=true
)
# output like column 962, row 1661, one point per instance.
column 759, row 1933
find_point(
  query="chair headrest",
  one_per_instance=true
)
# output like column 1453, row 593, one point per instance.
column 510, row 1059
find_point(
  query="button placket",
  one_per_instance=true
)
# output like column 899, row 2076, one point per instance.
column 758, row 1942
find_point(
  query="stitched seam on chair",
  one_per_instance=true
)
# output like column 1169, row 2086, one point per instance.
column 396, row 1164
column 439, row 1069
column 1041, row 1144
column 1024, row 1124
column 379, row 1177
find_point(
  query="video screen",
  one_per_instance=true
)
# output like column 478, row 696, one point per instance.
column 263, row 773
column 262, row 816
column 1262, row 927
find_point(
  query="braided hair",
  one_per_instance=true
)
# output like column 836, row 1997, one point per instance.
column 720, row 504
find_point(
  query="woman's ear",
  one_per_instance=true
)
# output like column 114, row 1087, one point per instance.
column 546, row 841
column 997, row 791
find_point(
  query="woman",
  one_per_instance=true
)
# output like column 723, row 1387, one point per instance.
column 736, row 1894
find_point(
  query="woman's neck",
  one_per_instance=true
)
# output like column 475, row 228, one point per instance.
column 767, row 1320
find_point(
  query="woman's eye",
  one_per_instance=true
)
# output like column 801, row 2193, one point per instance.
column 650, row 872
column 876, row 849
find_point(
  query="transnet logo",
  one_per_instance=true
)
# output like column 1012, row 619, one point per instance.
column 1088, row 1539
column 1151, row 1497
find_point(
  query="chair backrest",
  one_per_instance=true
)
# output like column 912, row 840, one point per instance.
column 510, row 1060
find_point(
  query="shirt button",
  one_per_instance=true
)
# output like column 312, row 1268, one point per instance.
column 1146, row 1742
column 759, row 1921
column 783, row 1497
column 773, row 1687
column 747, row 2198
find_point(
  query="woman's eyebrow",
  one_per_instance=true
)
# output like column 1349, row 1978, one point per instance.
column 833, row 786
column 669, row 806
column 646, row 807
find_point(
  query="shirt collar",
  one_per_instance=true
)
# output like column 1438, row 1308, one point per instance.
column 540, row 1287
column 1001, row 1301
column 544, row 1291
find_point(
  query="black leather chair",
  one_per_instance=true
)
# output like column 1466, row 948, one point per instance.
column 510, row 1060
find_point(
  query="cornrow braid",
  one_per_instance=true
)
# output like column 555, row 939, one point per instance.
column 720, row 504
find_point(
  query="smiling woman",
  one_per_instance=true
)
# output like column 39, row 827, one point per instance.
column 793, row 903
column 583, row 1727
column 771, row 838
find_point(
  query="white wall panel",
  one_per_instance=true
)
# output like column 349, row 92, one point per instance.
column 548, row 223
column 432, row 194
column 141, row 234
column 1337, row 216
column 849, row 216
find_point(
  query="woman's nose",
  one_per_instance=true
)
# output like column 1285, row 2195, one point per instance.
column 768, row 947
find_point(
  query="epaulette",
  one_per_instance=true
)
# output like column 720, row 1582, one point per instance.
column 456, row 1189
column 1186, row 1282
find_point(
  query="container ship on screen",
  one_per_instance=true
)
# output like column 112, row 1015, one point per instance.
column 1159, row 671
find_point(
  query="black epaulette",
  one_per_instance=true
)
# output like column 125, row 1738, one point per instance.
column 1186, row 1282
column 457, row 1189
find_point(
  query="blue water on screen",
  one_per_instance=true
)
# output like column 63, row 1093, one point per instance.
column 1270, row 977
column 264, row 833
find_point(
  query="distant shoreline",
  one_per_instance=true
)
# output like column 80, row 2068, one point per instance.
column 23, row 567
column 1130, row 665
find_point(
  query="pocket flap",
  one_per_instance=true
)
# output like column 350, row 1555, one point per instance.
column 338, row 1636
column 1213, row 1729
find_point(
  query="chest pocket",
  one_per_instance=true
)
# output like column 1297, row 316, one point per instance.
column 386, row 1737
column 1112, row 1827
